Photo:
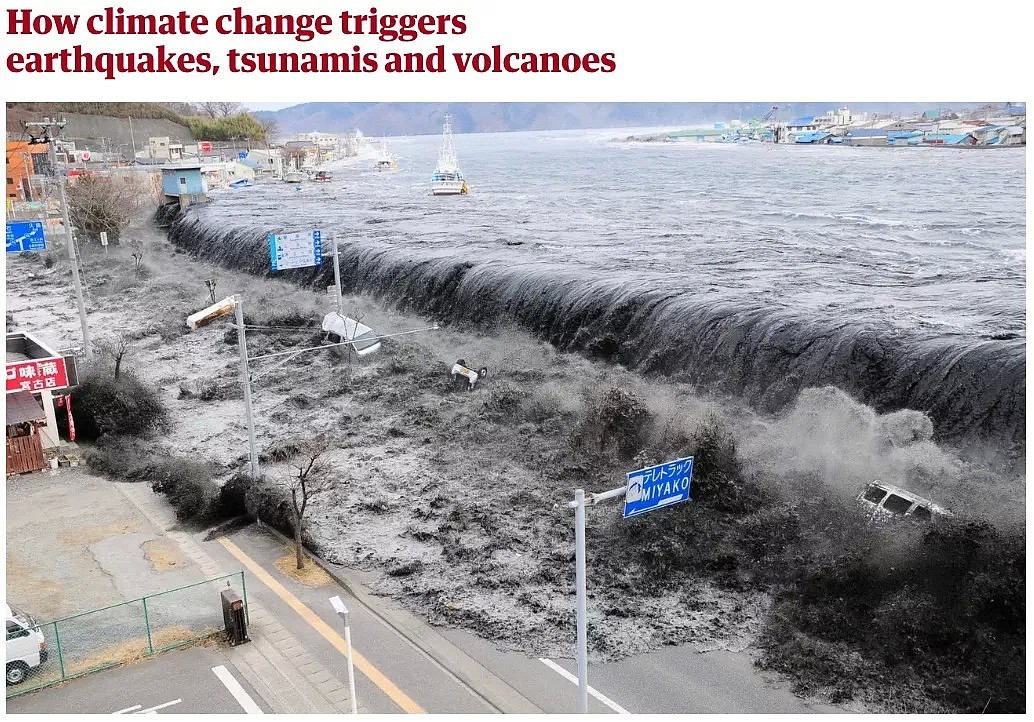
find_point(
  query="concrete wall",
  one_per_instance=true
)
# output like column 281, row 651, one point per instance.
column 86, row 130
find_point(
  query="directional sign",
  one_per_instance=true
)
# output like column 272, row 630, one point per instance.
column 295, row 250
column 25, row 236
column 658, row 486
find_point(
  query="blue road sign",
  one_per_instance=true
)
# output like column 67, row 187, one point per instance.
column 658, row 486
column 295, row 250
column 25, row 236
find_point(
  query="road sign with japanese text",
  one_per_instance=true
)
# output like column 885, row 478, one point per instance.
column 25, row 236
column 295, row 250
column 658, row 486
column 42, row 374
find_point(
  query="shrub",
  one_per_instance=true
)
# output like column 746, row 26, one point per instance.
column 120, row 458
column 127, row 407
column 189, row 487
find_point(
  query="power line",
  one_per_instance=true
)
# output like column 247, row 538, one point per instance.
column 343, row 343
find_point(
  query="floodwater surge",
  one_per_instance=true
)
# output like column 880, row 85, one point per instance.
column 972, row 388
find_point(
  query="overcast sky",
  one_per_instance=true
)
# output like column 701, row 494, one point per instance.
column 267, row 106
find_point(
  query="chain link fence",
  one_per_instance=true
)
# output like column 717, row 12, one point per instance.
column 42, row 654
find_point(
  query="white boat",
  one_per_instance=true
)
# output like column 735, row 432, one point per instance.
column 448, row 178
column 386, row 161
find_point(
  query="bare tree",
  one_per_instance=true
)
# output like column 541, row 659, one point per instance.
column 104, row 203
column 219, row 109
column 308, row 478
column 116, row 347
column 271, row 130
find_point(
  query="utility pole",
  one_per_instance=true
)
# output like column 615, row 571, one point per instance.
column 337, row 276
column 50, row 130
column 238, row 314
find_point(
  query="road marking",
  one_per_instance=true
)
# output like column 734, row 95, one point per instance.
column 362, row 664
column 243, row 698
column 595, row 693
column 149, row 710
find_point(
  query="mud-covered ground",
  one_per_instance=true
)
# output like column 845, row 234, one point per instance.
column 458, row 498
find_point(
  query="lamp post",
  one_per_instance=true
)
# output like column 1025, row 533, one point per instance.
column 342, row 612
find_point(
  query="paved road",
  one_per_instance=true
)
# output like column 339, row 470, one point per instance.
column 671, row 680
column 176, row 682
column 418, row 677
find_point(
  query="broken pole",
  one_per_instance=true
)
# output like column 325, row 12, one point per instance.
column 242, row 345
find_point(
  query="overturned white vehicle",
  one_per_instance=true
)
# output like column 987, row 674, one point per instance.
column 885, row 501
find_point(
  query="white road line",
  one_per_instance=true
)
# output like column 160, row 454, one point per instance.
column 154, row 710
column 242, row 697
column 571, row 678
column 127, row 709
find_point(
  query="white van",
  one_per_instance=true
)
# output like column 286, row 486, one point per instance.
column 26, row 647
column 885, row 501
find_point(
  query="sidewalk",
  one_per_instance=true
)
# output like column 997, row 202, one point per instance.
column 275, row 663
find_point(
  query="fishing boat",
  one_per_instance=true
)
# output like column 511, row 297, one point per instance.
column 386, row 161
column 448, row 178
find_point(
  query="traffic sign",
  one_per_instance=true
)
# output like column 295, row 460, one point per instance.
column 23, row 236
column 295, row 250
column 657, row 486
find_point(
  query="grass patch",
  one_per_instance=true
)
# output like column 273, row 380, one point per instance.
column 312, row 575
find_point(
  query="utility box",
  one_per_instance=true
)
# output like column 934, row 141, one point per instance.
column 234, row 618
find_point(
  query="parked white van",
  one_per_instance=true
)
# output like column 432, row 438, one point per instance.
column 26, row 647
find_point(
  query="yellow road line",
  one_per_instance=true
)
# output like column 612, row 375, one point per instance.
column 372, row 673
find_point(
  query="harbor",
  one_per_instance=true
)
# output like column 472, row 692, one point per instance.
column 994, row 126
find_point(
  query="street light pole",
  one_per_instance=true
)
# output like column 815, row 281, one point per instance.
column 582, row 652
column 579, row 580
column 342, row 612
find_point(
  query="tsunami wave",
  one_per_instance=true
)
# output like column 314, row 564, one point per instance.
column 972, row 389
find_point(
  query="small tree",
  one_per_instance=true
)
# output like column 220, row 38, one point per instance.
column 308, row 478
column 116, row 347
column 220, row 109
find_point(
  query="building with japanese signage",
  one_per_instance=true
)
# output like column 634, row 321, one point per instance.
column 39, row 380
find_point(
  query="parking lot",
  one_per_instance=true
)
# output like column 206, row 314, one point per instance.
column 195, row 680
column 78, row 551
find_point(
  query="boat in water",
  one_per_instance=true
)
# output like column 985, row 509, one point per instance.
column 448, row 178
column 386, row 161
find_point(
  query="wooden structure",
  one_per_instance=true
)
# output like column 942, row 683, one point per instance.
column 24, row 443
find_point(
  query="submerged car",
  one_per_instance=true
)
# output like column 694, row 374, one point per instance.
column 884, row 500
